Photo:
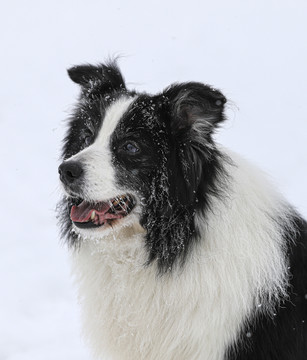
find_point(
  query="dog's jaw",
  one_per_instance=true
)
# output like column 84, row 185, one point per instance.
column 114, row 228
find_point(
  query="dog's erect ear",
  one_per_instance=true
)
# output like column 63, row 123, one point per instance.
column 195, row 105
column 101, row 79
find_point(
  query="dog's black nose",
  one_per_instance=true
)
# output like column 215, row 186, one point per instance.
column 70, row 171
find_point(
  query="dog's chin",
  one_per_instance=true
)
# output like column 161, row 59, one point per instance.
column 127, row 225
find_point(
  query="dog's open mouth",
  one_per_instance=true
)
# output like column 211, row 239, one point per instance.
column 91, row 215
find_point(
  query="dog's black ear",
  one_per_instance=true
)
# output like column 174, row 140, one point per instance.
column 194, row 105
column 101, row 79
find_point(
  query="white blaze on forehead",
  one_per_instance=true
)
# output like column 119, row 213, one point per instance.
column 113, row 115
column 99, row 179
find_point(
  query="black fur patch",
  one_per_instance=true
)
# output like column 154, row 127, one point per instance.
column 100, row 86
column 98, row 81
column 177, row 166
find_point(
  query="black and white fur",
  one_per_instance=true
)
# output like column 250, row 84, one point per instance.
column 211, row 263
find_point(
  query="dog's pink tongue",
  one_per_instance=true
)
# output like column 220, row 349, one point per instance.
column 83, row 211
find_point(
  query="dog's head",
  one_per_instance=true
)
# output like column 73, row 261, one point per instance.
column 131, row 157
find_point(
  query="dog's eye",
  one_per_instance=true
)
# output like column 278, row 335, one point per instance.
column 131, row 148
column 88, row 140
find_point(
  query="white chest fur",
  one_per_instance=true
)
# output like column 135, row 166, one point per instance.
column 131, row 313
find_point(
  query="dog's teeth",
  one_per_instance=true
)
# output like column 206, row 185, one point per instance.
column 119, row 200
column 116, row 202
column 93, row 215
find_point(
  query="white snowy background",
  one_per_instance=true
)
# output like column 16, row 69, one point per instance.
column 254, row 51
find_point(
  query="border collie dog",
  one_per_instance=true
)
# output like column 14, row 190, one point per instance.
column 181, row 249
